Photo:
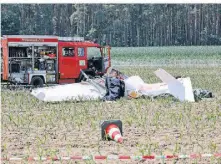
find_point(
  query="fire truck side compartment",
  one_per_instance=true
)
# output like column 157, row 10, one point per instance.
column 24, row 59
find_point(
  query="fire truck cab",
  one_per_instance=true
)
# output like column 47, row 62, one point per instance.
column 39, row 60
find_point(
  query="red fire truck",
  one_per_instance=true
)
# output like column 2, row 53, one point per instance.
column 39, row 60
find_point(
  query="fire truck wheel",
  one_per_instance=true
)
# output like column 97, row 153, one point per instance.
column 37, row 82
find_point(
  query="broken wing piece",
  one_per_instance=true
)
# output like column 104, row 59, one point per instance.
column 181, row 89
column 75, row 92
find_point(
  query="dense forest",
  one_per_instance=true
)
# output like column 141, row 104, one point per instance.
column 120, row 24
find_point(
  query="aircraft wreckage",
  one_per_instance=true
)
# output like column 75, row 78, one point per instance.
column 135, row 87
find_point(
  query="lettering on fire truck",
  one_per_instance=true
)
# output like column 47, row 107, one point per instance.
column 32, row 40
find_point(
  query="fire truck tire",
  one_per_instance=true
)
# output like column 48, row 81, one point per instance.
column 37, row 82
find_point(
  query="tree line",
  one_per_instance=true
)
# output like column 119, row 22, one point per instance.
column 118, row 25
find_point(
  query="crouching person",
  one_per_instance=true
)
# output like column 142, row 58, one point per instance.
column 114, row 87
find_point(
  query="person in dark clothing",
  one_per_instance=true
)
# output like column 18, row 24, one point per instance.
column 113, row 87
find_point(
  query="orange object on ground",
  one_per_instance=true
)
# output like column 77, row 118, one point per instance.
column 114, row 133
column 112, row 129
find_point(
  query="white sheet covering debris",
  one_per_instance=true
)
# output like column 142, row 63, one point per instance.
column 134, row 88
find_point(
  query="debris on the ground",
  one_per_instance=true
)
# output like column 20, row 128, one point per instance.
column 201, row 94
column 112, row 129
column 135, row 87
column 83, row 91
column 180, row 88
column 77, row 91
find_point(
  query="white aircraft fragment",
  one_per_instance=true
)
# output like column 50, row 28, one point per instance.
column 135, row 87
column 181, row 89
column 83, row 91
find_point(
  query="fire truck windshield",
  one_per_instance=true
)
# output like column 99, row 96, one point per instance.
column 93, row 52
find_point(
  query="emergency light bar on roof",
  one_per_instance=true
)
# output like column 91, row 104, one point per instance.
column 77, row 39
